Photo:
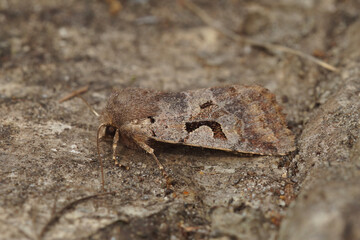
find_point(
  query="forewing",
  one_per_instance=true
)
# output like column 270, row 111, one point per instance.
column 244, row 119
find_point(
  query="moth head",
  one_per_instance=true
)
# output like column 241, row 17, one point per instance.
column 129, row 104
column 106, row 119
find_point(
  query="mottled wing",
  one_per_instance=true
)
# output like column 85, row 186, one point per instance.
column 244, row 119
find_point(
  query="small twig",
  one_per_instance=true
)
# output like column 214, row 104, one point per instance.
column 56, row 217
column 235, row 37
column 74, row 94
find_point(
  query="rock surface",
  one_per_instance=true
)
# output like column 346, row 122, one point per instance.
column 50, row 185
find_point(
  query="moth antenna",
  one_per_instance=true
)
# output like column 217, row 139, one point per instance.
column 91, row 108
column 77, row 93
column 101, row 162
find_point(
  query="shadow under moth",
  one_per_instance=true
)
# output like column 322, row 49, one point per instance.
column 244, row 119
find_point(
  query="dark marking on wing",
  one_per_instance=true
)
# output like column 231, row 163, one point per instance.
column 206, row 104
column 215, row 127
column 152, row 119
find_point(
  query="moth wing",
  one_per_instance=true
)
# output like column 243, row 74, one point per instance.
column 245, row 119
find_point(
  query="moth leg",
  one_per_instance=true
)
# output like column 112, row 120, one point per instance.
column 114, row 146
column 102, row 133
column 150, row 151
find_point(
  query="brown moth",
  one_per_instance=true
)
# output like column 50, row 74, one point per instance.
column 244, row 119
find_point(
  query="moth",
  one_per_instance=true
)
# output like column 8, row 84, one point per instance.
column 243, row 119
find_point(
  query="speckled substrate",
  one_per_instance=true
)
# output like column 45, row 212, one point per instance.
column 48, row 157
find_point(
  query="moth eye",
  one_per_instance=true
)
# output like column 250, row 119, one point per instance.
column 110, row 131
column 152, row 120
column 206, row 104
